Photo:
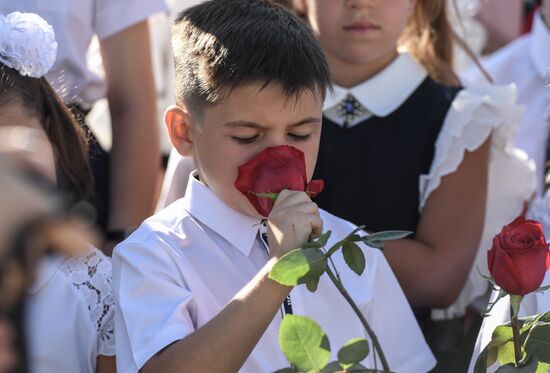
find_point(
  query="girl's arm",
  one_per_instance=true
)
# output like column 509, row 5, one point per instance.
column 106, row 364
column 433, row 268
column 135, row 155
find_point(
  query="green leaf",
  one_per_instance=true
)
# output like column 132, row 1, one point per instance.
column 501, row 346
column 304, row 343
column 542, row 368
column 377, row 240
column 538, row 342
column 354, row 257
column 530, row 367
column 505, row 353
column 353, row 352
column 312, row 285
column 299, row 266
column 333, row 367
column 323, row 238
column 286, row 370
column 354, row 238
column 358, row 368
column 501, row 335
column 492, row 355
column 482, row 362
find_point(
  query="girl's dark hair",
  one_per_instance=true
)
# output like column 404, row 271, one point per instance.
column 68, row 139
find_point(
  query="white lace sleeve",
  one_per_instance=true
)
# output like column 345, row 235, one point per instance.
column 92, row 276
column 477, row 113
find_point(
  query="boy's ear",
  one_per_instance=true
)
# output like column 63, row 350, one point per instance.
column 178, row 125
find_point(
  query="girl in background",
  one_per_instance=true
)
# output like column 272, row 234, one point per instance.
column 69, row 311
column 404, row 147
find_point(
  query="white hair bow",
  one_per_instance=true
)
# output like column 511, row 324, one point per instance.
column 27, row 44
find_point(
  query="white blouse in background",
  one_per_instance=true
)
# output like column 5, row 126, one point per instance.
column 69, row 316
column 183, row 265
column 75, row 22
column 525, row 62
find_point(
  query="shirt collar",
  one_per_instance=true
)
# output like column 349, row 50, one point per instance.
column 386, row 91
column 540, row 46
column 239, row 229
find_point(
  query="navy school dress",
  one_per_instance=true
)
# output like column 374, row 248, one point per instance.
column 371, row 172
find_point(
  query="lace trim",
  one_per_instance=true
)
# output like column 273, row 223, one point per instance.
column 475, row 114
column 91, row 275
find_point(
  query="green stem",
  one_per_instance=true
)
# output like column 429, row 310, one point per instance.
column 366, row 325
column 516, row 336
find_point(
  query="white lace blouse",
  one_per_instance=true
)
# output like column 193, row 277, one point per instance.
column 70, row 314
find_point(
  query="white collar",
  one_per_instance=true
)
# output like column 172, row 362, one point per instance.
column 47, row 267
column 386, row 91
column 239, row 229
column 540, row 46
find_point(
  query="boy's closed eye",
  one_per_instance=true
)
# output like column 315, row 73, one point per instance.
column 247, row 133
column 252, row 138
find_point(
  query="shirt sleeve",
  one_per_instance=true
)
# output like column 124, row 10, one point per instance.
column 393, row 321
column 114, row 16
column 152, row 302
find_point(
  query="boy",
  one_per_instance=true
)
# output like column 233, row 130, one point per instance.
column 192, row 282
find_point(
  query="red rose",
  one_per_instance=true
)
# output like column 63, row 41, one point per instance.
column 519, row 257
column 276, row 168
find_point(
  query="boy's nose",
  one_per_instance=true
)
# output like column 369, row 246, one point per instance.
column 275, row 139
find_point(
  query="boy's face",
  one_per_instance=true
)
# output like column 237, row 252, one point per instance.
column 250, row 120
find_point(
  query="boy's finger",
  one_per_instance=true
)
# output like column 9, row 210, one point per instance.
column 288, row 198
column 316, row 227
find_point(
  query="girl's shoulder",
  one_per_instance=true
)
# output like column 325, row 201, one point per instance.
column 91, row 276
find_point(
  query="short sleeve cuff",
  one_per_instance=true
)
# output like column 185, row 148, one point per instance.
column 160, row 341
column 109, row 20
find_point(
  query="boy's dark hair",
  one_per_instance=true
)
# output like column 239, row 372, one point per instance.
column 220, row 44
column 68, row 140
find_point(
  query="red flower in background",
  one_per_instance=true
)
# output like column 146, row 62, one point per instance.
column 276, row 168
column 519, row 258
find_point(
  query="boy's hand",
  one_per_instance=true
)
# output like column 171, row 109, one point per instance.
column 293, row 220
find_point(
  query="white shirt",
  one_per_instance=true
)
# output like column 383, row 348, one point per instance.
column 525, row 62
column 69, row 316
column 183, row 265
column 75, row 22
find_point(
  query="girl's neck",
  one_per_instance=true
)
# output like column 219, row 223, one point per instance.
column 348, row 74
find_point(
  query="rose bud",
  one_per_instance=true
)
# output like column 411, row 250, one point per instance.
column 519, row 257
column 275, row 168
